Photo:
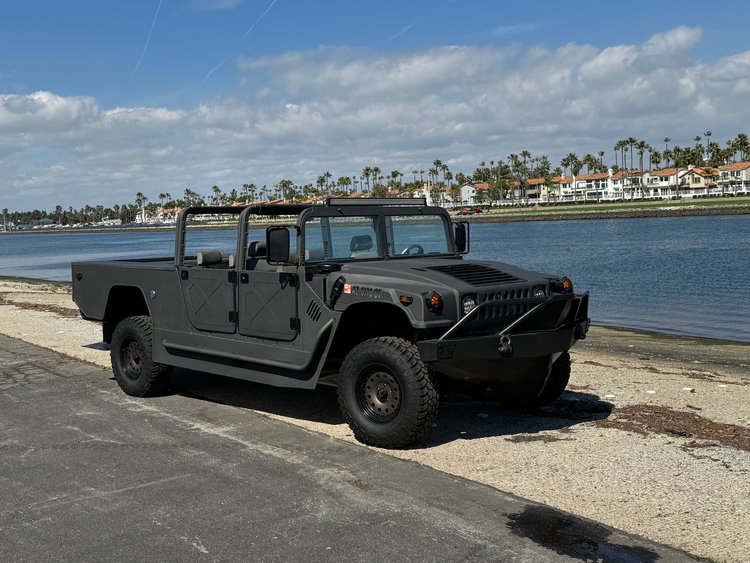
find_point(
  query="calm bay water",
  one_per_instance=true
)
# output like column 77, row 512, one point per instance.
column 680, row 275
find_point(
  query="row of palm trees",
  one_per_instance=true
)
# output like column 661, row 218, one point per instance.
column 503, row 176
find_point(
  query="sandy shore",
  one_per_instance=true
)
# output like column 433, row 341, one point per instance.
column 653, row 436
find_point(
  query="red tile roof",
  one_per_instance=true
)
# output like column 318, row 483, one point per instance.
column 735, row 166
column 595, row 176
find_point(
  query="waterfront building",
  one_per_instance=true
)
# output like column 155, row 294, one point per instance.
column 734, row 178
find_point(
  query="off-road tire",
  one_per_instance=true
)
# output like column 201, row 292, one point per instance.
column 556, row 384
column 386, row 394
column 131, row 352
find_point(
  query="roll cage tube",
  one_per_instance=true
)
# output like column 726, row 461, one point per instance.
column 182, row 218
column 244, row 211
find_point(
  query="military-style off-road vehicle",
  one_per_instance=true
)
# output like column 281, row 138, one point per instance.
column 372, row 294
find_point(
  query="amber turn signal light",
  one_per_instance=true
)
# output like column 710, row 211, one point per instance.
column 435, row 302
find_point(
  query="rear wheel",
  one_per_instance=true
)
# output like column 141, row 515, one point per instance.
column 131, row 352
column 386, row 394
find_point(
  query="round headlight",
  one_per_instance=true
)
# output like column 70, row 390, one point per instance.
column 468, row 305
column 539, row 292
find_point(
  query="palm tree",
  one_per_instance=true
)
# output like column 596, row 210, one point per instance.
column 698, row 148
column 601, row 159
column 218, row 196
column 343, row 183
column 667, row 156
column 655, row 159
column 162, row 196
column 708, row 134
column 375, row 176
column 140, row 202
column 395, row 177
column 366, row 173
column 642, row 147
column 590, row 162
column 742, row 145
column 618, row 147
column 632, row 141
column 327, row 176
column 438, row 164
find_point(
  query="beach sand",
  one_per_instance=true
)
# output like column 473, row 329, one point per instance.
column 652, row 437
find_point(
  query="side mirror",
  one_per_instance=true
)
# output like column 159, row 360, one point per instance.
column 462, row 237
column 277, row 245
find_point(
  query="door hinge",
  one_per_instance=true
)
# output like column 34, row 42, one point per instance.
column 294, row 324
column 232, row 316
column 232, row 276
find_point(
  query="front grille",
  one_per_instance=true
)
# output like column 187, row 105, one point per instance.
column 503, row 312
column 477, row 274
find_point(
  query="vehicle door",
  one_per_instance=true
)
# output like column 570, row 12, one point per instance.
column 209, row 297
column 266, row 297
column 207, row 277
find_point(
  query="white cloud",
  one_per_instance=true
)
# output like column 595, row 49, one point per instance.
column 44, row 111
column 340, row 109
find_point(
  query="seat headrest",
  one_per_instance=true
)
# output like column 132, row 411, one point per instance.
column 360, row 243
column 208, row 257
column 256, row 248
column 314, row 254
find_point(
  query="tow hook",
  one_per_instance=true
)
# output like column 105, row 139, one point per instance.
column 504, row 346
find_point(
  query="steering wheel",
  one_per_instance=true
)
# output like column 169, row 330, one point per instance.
column 416, row 247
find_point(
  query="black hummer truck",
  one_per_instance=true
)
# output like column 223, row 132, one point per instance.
column 374, row 294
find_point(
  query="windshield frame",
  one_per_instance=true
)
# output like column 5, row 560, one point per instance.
column 379, row 213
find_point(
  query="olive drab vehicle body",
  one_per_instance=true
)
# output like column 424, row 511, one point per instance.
column 374, row 295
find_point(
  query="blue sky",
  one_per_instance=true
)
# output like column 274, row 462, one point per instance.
column 99, row 100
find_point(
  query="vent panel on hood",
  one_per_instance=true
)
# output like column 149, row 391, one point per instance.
column 477, row 274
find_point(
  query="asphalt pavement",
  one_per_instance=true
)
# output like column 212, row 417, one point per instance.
column 89, row 474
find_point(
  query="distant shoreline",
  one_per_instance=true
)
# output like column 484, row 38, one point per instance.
column 635, row 213
column 509, row 215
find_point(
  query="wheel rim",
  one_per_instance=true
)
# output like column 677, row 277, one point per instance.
column 131, row 356
column 379, row 394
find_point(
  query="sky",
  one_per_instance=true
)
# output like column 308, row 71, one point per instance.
column 101, row 100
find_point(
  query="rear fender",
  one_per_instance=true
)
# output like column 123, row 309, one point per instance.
column 122, row 302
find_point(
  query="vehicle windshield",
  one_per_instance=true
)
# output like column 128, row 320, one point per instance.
column 359, row 238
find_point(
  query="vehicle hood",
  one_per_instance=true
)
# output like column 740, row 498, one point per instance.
column 463, row 275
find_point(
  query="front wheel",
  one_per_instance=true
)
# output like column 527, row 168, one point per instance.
column 556, row 384
column 131, row 351
column 386, row 394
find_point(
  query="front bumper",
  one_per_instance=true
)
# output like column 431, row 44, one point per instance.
column 550, row 327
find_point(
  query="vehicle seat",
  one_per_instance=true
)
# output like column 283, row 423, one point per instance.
column 256, row 253
column 361, row 247
column 256, row 249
